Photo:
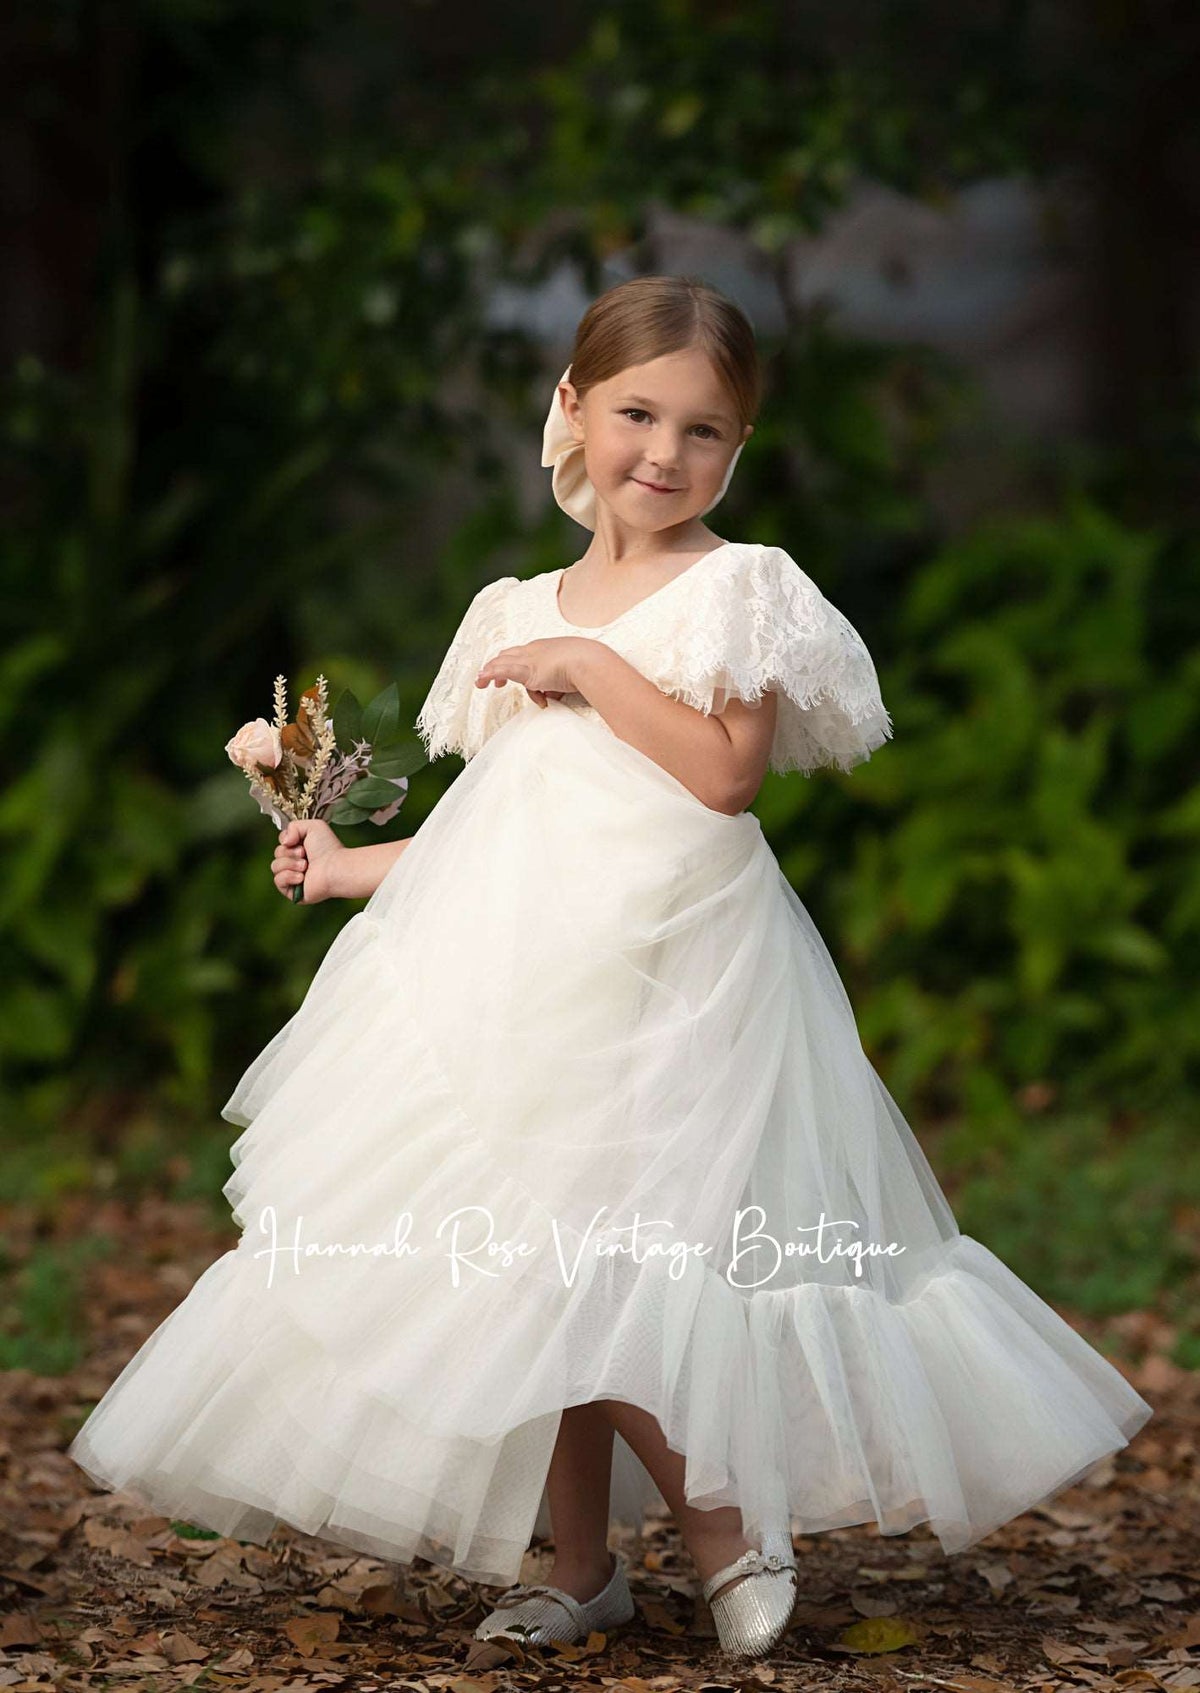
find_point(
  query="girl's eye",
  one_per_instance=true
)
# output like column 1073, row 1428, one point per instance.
column 636, row 412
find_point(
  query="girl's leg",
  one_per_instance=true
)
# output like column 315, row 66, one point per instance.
column 577, row 1488
column 714, row 1538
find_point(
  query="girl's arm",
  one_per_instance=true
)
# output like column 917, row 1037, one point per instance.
column 310, row 852
column 721, row 757
column 356, row 872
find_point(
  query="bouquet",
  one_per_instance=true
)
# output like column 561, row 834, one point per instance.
column 309, row 768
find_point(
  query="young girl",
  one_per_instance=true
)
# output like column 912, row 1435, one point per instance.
column 573, row 1135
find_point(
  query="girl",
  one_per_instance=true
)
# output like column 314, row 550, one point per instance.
column 573, row 1136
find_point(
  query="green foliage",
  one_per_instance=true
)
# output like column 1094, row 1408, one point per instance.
column 164, row 561
column 1098, row 1217
column 41, row 1324
column 1019, row 891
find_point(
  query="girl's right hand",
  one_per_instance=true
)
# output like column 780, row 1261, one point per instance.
column 307, row 853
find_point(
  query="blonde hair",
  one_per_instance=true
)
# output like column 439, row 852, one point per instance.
column 648, row 316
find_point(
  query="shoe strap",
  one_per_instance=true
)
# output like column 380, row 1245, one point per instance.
column 518, row 1595
column 752, row 1562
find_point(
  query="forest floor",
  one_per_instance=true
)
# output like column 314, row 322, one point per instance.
column 1098, row 1589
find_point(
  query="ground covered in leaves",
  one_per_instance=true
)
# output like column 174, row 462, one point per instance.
column 1098, row 1589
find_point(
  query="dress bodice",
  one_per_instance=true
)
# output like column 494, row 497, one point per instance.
column 743, row 620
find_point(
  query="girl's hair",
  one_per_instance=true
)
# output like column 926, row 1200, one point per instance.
column 648, row 316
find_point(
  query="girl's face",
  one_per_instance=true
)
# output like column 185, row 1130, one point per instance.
column 658, row 438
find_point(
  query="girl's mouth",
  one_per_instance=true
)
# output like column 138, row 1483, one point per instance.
column 656, row 487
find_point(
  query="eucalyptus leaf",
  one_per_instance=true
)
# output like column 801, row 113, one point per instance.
column 385, row 813
column 347, row 716
column 380, row 718
column 398, row 759
column 347, row 813
column 372, row 792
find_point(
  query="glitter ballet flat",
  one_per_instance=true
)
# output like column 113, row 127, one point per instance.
column 753, row 1616
column 535, row 1614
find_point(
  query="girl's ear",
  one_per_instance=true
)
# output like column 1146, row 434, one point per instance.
column 747, row 432
column 572, row 408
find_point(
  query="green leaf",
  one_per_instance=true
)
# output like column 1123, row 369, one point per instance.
column 370, row 792
column 879, row 1634
column 398, row 758
column 348, row 720
column 348, row 814
column 382, row 715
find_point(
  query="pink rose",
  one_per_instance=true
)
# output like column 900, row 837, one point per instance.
column 255, row 744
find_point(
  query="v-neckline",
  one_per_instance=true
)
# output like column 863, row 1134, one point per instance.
column 596, row 628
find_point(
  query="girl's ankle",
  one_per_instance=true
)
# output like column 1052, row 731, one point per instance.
column 714, row 1555
column 583, row 1578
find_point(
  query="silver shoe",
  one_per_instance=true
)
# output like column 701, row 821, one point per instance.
column 753, row 1616
column 535, row 1614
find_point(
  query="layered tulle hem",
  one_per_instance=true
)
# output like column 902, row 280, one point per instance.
column 810, row 1408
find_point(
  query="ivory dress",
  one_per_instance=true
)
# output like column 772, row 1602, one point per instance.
column 585, row 1051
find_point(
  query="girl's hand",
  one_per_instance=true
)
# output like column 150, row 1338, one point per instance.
column 543, row 667
column 307, row 852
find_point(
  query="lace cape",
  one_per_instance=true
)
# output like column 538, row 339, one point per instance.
column 743, row 621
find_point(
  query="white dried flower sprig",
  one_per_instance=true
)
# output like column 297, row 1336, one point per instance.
column 280, row 702
column 302, row 769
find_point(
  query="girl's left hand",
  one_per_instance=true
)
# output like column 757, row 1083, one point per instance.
column 543, row 667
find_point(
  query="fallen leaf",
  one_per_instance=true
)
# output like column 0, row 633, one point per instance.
column 318, row 1628
column 879, row 1634
column 18, row 1628
column 179, row 1648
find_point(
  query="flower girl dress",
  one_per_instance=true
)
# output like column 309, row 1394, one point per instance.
column 576, row 1108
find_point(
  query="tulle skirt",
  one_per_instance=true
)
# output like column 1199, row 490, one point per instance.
column 575, row 1108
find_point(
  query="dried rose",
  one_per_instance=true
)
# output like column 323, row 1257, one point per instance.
column 256, row 745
